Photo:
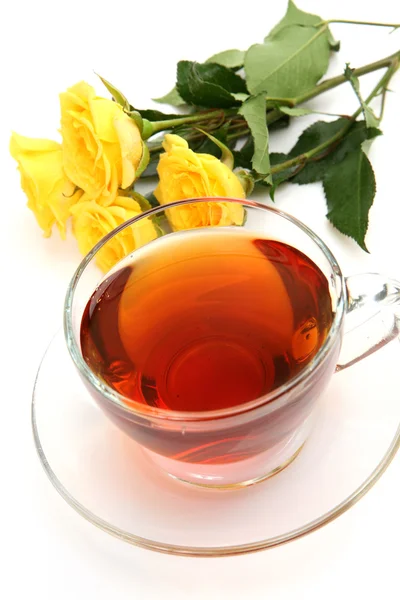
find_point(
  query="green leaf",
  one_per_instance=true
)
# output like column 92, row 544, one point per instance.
column 243, row 157
column 315, row 170
column 316, row 134
column 156, row 115
column 370, row 119
column 311, row 137
column 295, row 112
column 116, row 94
column 349, row 190
column 208, row 84
column 232, row 59
column 294, row 16
column 173, row 98
column 240, row 96
column 254, row 110
column 282, row 123
column 289, row 63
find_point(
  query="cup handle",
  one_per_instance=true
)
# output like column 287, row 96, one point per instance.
column 372, row 317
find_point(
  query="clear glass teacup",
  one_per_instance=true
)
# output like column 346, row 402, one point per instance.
column 242, row 444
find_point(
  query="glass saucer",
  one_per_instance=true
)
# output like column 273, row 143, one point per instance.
column 108, row 479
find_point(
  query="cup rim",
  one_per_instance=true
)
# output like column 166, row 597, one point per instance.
column 133, row 408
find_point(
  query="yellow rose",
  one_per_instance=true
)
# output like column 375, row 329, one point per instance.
column 185, row 174
column 102, row 146
column 91, row 222
column 50, row 194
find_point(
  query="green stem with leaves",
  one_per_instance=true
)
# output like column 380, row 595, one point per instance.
column 274, row 114
column 331, row 142
column 237, row 131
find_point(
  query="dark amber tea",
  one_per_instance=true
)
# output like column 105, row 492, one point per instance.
column 205, row 320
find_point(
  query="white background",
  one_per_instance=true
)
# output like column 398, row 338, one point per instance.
column 48, row 550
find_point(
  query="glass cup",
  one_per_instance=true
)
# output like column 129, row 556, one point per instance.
column 244, row 444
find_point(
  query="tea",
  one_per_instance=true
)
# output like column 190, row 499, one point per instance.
column 206, row 320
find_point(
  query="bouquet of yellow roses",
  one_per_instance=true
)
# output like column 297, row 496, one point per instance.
column 217, row 145
column 90, row 175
